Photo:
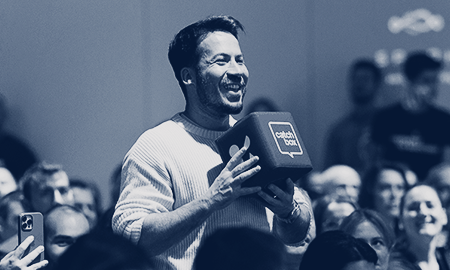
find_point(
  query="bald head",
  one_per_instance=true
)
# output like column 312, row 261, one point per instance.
column 342, row 180
column 63, row 225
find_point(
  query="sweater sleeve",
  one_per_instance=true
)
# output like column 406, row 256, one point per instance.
column 146, row 188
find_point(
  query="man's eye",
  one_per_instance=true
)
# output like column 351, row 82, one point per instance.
column 64, row 243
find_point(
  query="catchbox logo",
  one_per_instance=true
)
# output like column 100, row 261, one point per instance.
column 285, row 138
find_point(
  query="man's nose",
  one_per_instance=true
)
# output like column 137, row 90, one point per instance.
column 57, row 197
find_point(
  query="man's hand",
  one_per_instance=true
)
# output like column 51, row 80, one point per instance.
column 227, row 186
column 14, row 260
column 282, row 203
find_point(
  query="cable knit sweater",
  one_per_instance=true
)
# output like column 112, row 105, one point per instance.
column 169, row 166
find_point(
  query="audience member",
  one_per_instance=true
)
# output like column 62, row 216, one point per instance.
column 262, row 104
column 370, row 227
column 10, row 209
column 413, row 131
column 341, row 180
column 15, row 260
column 15, row 155
column 240, row 248
column 313, row 184
column 63, row 224
column 439, row 179
column 348, row 139
column 382, row 189
column 330, row 210
column 175, row 187
column 105, row 220
column 7, row 182
column 45, row 185
column 422, row 218
column 87, row 199
column 336, row 250
column 103, row 250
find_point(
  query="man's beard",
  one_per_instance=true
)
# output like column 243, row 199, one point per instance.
column 214, row 100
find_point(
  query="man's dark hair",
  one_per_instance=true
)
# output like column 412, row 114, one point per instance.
column 37, row 174
column 418, row 62
column 183, row 48
column 366, row 64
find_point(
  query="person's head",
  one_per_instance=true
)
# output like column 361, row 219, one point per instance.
column 63, row 224
column 312, row 183
column 45, row 185
column 240, row 248
column 422, row 73
column 329, row 211
column 7, row 182
column 422, row 216
column 342, row 180
column 10, row 209
column 439, row 178
column 383, row 187
column 87, row 199
column 209, row 66
column 262, row 104
column 365, row 79
column 336, row 250
column 103, row 250
column 369, row 226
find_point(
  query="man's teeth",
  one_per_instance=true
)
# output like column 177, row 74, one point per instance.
column 232, row 86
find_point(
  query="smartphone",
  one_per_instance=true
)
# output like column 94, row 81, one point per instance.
column 32, row 224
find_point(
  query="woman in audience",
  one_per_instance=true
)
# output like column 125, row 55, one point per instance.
column 330, row 210
column 382, row 188
column 370, row 227
column 422, row 218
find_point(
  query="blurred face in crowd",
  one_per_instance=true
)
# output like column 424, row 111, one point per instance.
column 62, row 230
column 442, row 185
column 342, row 181
column 422, row 215
column 369, row 234
column 222, row 76
column 363, row 86
column 7, row 182
column 334, row 214
column 85, row 202
column 389, row 191
column 53, row 191
column 424, row 88
column 8, row 226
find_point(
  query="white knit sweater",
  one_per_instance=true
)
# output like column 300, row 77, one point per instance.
column 169, row 166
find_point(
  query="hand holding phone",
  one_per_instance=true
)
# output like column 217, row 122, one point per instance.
column 32, row 224
column 15, row 260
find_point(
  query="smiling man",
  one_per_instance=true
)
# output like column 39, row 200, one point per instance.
column 175, row 188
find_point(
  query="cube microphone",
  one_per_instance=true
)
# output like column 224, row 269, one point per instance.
column 274, row 138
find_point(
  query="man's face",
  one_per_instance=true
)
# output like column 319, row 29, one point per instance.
column 363, row 86
column 53, row 191
column 62, row 230
column 425, row 87
column 85, row 202
column 7, row 182
column 222, row 76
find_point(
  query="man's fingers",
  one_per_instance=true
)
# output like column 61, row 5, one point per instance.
column 32, row 255
column 38, row 265
column 241, row 178
column 236, row 159
column 23, row 246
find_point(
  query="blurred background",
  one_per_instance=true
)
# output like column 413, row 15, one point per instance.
column 83, row 79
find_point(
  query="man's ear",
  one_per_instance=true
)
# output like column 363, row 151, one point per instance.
column 188, row 76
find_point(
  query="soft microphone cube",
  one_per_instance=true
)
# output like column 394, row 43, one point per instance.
column 274, row 138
